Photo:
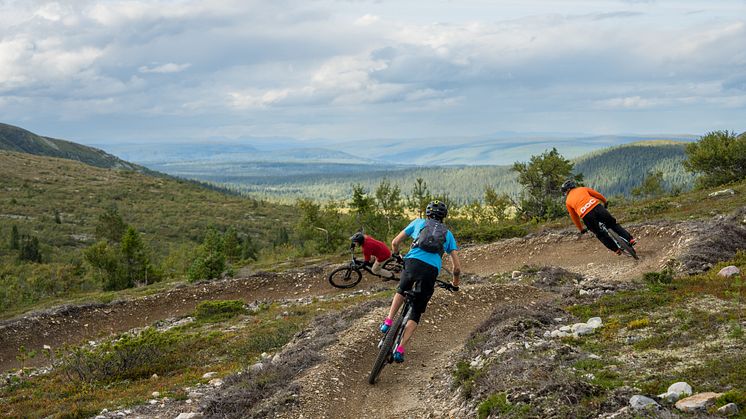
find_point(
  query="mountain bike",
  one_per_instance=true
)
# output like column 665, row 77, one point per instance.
column 621, row 244
column 391, row 340
column 350, row 275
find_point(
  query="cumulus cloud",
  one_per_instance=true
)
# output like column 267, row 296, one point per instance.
column 305, row 63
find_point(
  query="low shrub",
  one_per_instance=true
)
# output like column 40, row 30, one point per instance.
column 218, row 310
column 498, row 403
column 130, row 357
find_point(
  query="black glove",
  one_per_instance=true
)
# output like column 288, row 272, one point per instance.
column 606, row 204
column 583, row 231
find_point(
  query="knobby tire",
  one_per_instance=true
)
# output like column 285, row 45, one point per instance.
column 385, row 350
column 623, row 244
column 345, row 277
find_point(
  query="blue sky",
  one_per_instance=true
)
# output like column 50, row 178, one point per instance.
column 120, row 71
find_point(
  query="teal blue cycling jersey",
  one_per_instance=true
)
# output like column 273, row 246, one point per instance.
column 434, row 259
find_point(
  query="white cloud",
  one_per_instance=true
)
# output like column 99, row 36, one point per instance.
column 298, row 63
column 165, row 68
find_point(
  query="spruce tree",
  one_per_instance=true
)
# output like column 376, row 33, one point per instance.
column 14, row 238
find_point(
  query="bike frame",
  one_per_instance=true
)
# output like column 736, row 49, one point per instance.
column 360, row 265
column 619, row 246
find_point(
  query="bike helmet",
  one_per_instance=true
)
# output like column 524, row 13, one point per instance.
column 569, row 184
column 436, row 209
column 358, row 238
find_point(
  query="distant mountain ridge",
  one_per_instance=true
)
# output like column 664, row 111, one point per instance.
column 613, row 170
column 19, row 140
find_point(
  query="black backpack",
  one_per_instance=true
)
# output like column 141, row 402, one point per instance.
column 432, row 237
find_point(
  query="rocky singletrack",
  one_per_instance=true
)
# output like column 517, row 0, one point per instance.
column 338, row 388
column 76, row 324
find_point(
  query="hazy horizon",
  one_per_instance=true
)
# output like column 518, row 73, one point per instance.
column 96, row 71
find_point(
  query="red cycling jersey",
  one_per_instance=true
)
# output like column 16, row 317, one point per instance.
column 373, row 247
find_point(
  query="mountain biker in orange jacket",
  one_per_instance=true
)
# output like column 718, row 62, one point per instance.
column 421, row 269
column 583, row 203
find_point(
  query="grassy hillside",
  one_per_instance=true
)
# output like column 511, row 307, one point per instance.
column 614, row 170
column 166, row 211
column 19, row 140
column 59, row 202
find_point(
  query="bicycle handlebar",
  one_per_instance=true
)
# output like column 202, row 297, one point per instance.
column 446, row 285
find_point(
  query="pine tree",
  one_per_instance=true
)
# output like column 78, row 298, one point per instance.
column 110, row 226
column 14, row 239
column 231, row 245
column 29, row 249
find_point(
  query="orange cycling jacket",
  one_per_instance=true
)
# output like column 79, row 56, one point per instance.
column 580, row 201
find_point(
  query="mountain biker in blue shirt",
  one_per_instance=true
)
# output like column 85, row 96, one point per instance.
column 421, row 268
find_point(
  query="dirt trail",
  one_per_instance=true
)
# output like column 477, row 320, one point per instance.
column 338, row 388
column 77, row 324
column 658, row 243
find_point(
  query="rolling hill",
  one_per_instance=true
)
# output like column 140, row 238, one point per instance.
column 168, row 212
column 17, row 139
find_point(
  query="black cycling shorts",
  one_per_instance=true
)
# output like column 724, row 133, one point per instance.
column 421, row 276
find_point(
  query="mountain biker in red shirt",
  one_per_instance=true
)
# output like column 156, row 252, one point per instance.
column 375, row 252
column 583, row 203
column 421, row 269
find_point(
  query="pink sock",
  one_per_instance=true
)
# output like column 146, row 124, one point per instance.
column 400, row 349
column 388, row 322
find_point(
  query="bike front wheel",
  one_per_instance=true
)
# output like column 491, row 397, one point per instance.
column 345, row 277
column 385, row 351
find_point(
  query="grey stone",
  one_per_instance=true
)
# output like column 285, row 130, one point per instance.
column 595, row 322
column 515, row 275
column 724, row 192
column 669, row 397
column 189, row 415
column 580, row 329
column 697, row 402
column 638, row 402
column 209, row 375
column 681, row 388
column 729, row 409
column 729, row 271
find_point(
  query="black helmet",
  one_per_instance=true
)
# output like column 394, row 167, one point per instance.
column 358, row 238
column 569, row 184
column 436, row 209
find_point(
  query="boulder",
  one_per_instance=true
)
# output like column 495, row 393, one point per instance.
column 595, row 322
column 729, row 271
column 681, row 388
column 729, row 409
column 580, row 329
column 638, row 402
column 669, row 397
column 698, row 402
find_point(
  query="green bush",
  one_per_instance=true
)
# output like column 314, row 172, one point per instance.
column 720, row 156
column 656, row 278
column 218, row 310
column 498, row 403
column 129, row 357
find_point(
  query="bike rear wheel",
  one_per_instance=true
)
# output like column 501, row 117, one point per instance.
column 345, row 277
column 623, row 244
column 386, row 349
